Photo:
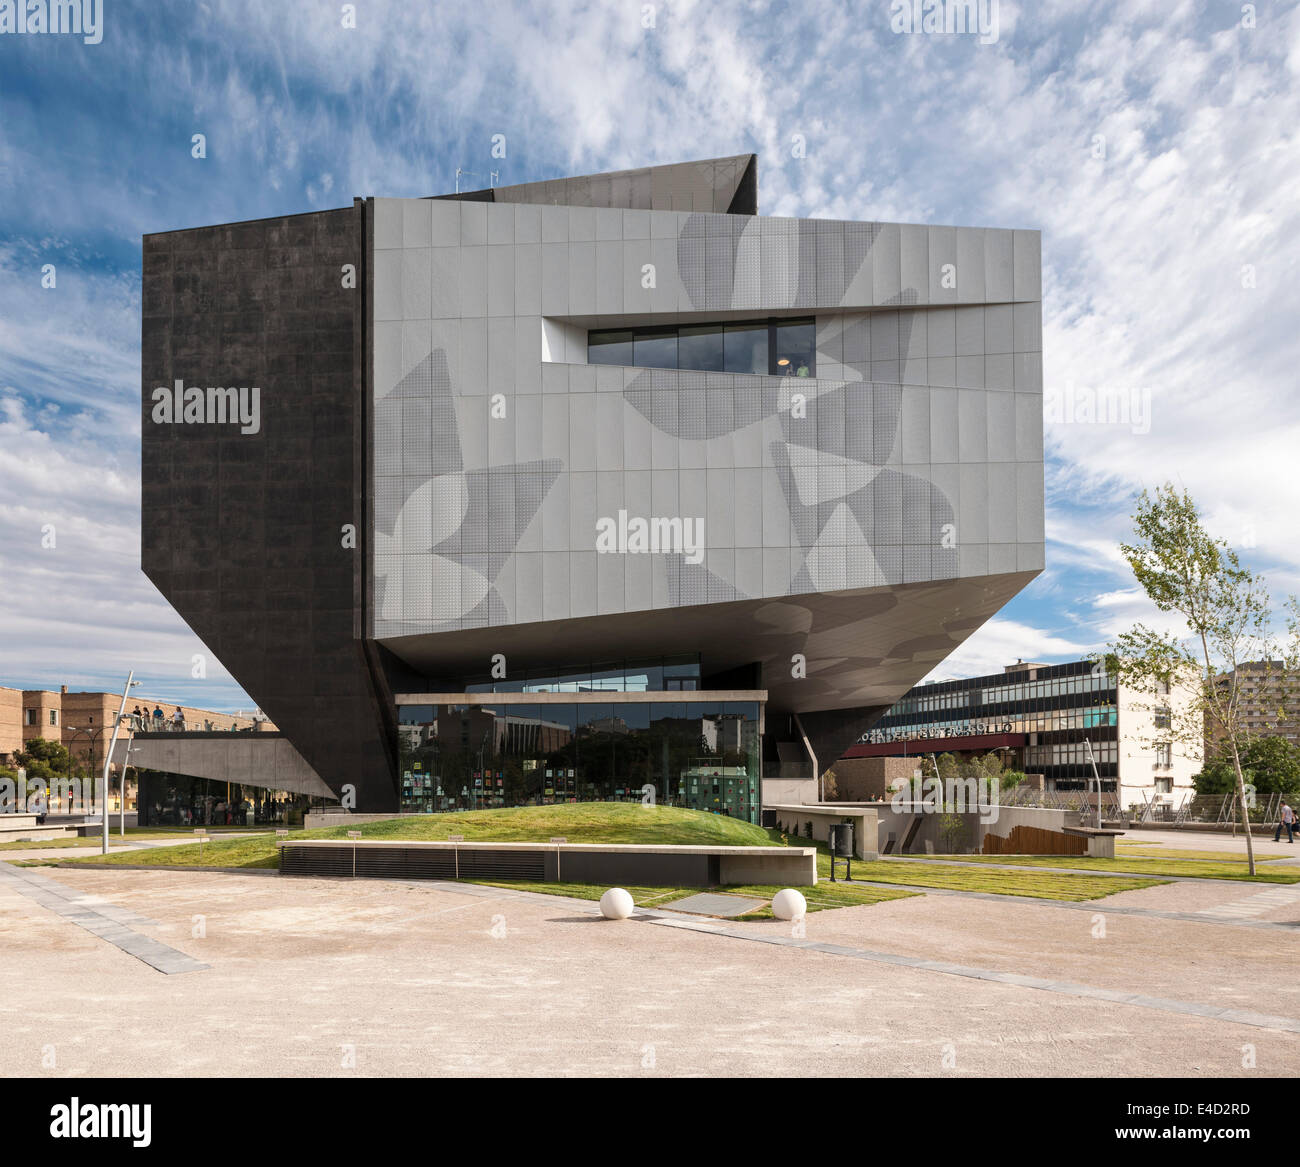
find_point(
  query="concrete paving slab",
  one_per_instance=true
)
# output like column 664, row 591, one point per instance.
column 432, row 979
column 716, row 904
column 53, row 896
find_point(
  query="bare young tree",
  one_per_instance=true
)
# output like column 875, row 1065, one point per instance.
column 1228, row 618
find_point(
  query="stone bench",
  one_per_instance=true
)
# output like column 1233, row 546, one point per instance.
column 15, row 828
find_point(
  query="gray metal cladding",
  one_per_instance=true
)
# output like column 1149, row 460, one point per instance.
column 914, row 455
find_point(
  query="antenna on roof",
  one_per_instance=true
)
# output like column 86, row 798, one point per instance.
column 494, row 176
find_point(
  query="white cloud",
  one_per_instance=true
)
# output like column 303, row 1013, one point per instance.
column 1002, row 642
column 1144, row 249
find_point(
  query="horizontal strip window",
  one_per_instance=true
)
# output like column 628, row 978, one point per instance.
column 775, row 348
column 413, row 705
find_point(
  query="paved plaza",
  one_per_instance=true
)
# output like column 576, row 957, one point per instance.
column 131, row 972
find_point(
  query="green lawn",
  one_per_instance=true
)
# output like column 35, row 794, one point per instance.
column 176, row 832
column 632, row 823
column 1035, row 885
column 1234, row 869
column 1038, row 885
column 114, row 840
column 1145, row 850
column 825, row 895
column 590, row 822
column 582, row 822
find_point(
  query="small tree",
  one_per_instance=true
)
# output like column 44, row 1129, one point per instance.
column 952, row 828
column 1225, row 608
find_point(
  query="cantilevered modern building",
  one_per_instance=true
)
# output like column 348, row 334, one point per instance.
column 567, row 489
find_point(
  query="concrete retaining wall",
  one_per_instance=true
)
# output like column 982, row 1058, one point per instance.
column 610, row 863
column 865, row 821
column 929, row 838
column 15, row 828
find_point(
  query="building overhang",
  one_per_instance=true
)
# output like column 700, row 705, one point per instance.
column 268, row 761
column 861, row 648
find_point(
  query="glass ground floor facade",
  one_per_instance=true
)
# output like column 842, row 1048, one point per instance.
column 180, row 800
column 543, row 747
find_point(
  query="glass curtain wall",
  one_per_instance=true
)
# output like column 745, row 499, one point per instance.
column 181, row 800
column 699, row 754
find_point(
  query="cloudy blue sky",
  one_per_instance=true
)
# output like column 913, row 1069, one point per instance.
column 1155, row 144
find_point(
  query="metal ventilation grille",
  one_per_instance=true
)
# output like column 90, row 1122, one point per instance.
column 404, row 863
column 315, row 861
column 412, row 863
column 429, row 864
column 502, row 864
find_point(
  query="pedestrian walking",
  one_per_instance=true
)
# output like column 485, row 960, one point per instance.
column 1286, row 819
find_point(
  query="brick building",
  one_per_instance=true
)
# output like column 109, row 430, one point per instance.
column 83, row 722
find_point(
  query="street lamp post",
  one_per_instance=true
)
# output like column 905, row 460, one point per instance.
column 108, row 754
column 126, row 763
column 1093, row 762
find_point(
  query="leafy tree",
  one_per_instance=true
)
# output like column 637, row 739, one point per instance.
column 989, row 770
column 952, row 828
column 1216, row 777
column 44, row 759
column 1225, row 609
column 1271, row 763
column 1010, row 779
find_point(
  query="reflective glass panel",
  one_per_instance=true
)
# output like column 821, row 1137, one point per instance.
column 794, row 350
column 700, row 347
column 745, row 348
column 655, row 350
column 609, row 348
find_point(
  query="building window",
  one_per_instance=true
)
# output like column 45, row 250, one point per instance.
column 54, row 717
column 1164, row 755
column 1162, row 718
column 1164, row 785
column 29, row 716
column 777, row 348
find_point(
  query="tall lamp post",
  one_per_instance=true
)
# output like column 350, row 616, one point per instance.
column 131, row 748
column 1093, row 762
column 108, row 754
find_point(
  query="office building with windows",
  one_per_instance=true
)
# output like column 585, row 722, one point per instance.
column 1044, row 720
column 1268, row 696
column 589, row 486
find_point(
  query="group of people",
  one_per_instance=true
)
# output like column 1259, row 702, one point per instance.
column 157, row 721
column 210, row 811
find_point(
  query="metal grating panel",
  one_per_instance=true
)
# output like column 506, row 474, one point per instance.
column 399, row 862
column 502, row 864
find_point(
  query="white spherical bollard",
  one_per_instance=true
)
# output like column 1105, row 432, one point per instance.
column 616, row 904
column 789, row 905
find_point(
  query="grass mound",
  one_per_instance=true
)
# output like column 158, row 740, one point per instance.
column 587, row 822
